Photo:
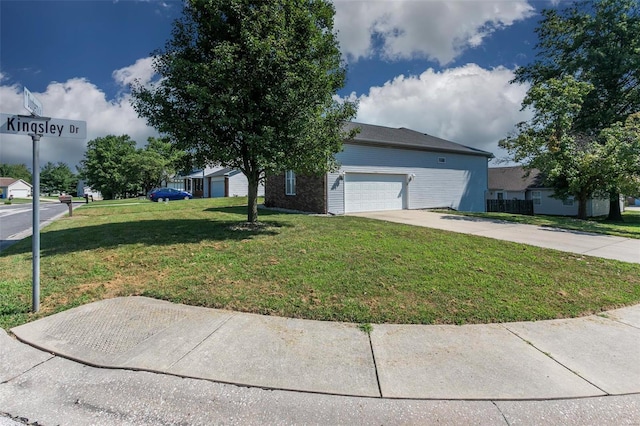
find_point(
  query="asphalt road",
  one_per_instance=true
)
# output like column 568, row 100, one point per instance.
column 16, row 220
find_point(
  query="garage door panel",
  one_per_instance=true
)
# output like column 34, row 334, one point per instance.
column 373, row 192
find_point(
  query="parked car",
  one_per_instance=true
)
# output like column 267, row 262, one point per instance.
column 162, row 194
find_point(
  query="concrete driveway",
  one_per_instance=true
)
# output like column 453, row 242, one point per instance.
column 599, row 245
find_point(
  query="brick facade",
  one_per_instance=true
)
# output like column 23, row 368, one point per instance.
column 310, row 193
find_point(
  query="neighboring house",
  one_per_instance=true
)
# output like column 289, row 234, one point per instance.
column 83, row 189
column 386, row 168
column 14, row 187
column 215, row 182
column 515, row 183
column 229, row 182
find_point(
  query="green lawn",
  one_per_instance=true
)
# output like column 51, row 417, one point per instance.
column 200, row 252
column 630, row 227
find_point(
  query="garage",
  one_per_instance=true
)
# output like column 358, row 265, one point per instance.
column 217, row 187
column 365, row 192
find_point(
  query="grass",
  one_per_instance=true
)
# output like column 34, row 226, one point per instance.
column 201, row 252
column 629, row 228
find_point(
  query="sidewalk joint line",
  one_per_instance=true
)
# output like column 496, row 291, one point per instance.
column 375, row 365
column 201, row 342
column 548, row 355
column 33, row 367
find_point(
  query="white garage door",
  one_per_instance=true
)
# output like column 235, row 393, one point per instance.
column 373, row 192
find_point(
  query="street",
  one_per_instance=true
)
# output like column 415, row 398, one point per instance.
column 15, row 220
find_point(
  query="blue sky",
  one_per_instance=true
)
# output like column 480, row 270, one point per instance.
column 441, row 67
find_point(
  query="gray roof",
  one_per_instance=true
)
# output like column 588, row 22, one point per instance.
column 224, row 172
column 407, row 138
column 514, row 179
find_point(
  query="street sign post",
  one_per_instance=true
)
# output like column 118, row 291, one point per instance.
column 36, row 126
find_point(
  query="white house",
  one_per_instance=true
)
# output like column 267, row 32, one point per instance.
column 514, row 183
column 229, row 182
column 14, row 187
column 215, row 182
column 384, row 168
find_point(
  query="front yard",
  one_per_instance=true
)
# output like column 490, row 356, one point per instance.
column 328, row 268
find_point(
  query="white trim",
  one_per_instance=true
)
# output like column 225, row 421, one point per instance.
column 289, row 182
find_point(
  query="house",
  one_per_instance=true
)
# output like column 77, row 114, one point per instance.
column 215, row 182
column 385, row 168
column 14, row 187
column 229, row 182
column 83, row 189
column 515, row 183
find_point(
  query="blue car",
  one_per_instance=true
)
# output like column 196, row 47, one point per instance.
column 164, row 194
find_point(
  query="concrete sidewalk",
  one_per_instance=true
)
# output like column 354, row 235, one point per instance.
column 590, row 244
column 576, row 371
column 591, row 356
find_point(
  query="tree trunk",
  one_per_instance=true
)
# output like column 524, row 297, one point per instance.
column 615, row 214
column 582, row 208
column 252, row 207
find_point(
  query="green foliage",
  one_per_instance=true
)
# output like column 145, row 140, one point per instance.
column 16, row 171
column 595, row 42
column 108, row 165
column 250, row 85
column 153, row 165
column 57, row 178
column 585, row 80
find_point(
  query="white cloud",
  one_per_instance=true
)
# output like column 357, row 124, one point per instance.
column 142, row 71
column 406, row 29
column 75, row 99
column 469, row 105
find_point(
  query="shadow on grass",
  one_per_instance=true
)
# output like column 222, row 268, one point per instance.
column 148, row 232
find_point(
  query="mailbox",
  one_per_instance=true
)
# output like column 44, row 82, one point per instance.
column 68, row 200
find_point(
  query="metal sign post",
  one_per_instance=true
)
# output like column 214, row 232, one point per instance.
column 35, row 246
column 36, row 126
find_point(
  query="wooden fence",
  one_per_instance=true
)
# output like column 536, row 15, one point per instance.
column 510, row 206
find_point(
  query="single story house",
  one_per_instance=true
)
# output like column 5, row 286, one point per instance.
column 215, row 182
column 83, row 189
column 515, row 183
column 229, row 182
column 385, row 168
column 14, row 187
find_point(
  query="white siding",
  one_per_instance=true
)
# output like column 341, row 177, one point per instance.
column 508, row 195
column 598, row 207
column 459, row 183
column 239, row 186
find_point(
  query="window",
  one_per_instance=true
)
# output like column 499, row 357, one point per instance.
column 500, row 195
column 568, row 202
column 442, row 160
column 536, row 196
column 290, row 183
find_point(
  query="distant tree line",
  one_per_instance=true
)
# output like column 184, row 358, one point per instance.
column 115, row 167
column 54, row 178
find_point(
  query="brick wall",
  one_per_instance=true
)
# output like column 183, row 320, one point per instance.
column 310, row 194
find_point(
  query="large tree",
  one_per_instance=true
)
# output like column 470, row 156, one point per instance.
column 549, row 141
column 250, row 85
column 154, row 164
column 107, row 165
column 57, row 178
column 597, row 42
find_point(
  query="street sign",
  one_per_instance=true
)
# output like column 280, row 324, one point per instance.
column 32, row 104
column 48, row 127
